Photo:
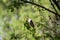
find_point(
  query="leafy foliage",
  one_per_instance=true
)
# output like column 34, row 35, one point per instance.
column 14, row 16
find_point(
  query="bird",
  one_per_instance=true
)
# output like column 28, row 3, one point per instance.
column 31, row 22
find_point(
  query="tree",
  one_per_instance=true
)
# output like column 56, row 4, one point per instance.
column 14, row 15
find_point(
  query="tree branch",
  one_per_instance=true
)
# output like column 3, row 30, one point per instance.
column 41, row 7
column 53, row 6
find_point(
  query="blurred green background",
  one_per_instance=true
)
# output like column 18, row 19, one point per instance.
column 13, row 21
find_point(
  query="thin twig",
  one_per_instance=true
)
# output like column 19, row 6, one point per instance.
column 53, row 6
